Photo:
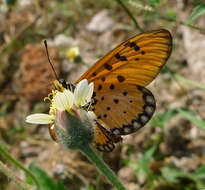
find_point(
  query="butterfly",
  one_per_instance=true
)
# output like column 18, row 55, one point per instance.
column 121, row 101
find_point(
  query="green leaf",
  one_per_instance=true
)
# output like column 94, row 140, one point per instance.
column 190, row 82
column 143, row 164
column 170, row 13
column 198, row 11
column 154, row 3
column 192, row 118
column 11, row 2
column 174, row 175
column 60, row 186
column 170, row 175
column 200, row 173
column 44, row 180
column 162, row 119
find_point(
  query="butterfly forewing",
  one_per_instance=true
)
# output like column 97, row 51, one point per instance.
column 136, row 61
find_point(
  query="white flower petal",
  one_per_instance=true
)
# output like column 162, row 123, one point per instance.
column 40, row 118
column 89, row 94
column 79, row 91
column 83, row 92
column 64, row 100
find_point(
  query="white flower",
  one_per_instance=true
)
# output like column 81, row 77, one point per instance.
column 83, row 93
column 61, row 101
column 40, row 118
column 64, row 101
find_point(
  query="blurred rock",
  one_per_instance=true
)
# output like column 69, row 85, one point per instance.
column 186, row 163
column 28, row 151
column 63, row 40
column 37, row 75
column 67, row 66
column 126, row 174
column 100, row 22
column 195, row 52
column 60, row 171
column 24, row 3
column 132, row 186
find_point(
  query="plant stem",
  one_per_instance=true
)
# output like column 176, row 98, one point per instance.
column 179, row 22
column 193, row 83
column 129, row 14
column 122, row 4
column 10, row 174
column 100, row 164
column 19, row 165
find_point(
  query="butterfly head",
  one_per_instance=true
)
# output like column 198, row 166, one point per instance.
column 62, row 84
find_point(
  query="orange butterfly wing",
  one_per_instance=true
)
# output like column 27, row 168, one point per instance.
column 124, row 108
column 136, row 61
column 121, row 100
column 104, row 140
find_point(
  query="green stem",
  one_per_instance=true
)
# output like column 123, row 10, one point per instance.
column 179, row 22
column 19, row 165
column 100, row 164
column 10, row 174
column 178, row 78
column 193, row 83
column 181, row 78
column 76, row 132
column 129, row 14
column 122, row 4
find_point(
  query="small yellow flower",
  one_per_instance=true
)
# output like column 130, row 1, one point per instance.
column 72, row 53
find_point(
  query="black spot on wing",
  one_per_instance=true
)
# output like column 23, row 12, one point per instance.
column 103, row 79
column 94, row 74
column 120, row 58
column 108, row 108
column 120, row 78
column 107, row 66
column 116, row 101
column 99, row 87
column 112, row 86
column 125, row 93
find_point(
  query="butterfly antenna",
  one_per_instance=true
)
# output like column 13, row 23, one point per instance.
column 46, row 46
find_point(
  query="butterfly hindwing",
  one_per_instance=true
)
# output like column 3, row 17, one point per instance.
column 123, row 108
column 136, row 61
column 103, row 139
